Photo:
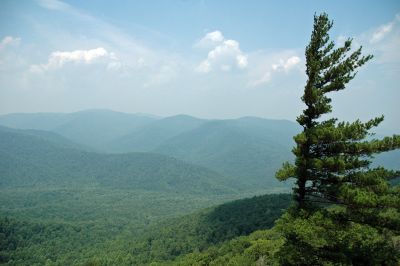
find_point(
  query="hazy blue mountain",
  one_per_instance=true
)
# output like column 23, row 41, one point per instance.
column 91, row 128
column 40, row 121
column 49, row 136
column 149, row 137
column 248, row 148
column 28, row 160
column 95, row 128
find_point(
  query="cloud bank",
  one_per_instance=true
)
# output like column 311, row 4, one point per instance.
column 58, row 59
column 224, row 55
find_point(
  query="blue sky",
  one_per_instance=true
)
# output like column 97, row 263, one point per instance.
column 212, row 59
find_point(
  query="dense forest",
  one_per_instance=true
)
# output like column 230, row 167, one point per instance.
column 44, row 237
column 64, row 203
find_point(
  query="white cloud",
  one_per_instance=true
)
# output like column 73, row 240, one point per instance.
column 210, row 40
column 204, row 67
column 381, row 32
column 287, row 64
column 86, row 56
column 384, row 30
column 241, row 61
column 9, row 40
column 133, row 55
column 58, row 59
column 215, row 36
column 224, row 56
column 383, row 42
column 264, row 72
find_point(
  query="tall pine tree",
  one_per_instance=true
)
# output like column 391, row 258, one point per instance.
column 341, row 202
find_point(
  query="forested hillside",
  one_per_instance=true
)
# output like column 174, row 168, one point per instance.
column 154, row 134
column 247, row 150
column 230, row 147
column 200, row 231
column 75, row 241
column 43, row 135
column 30, row 160
column 61, row 204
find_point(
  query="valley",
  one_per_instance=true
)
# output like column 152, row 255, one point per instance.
column 150, row 192
column 65, row 200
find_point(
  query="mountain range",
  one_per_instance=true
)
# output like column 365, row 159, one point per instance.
column 245, row 152
column 99, row 187
column 39, row 158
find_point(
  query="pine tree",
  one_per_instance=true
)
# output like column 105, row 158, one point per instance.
column 336, row 188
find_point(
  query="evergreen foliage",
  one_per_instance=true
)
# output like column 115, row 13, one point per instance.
column 346, row 211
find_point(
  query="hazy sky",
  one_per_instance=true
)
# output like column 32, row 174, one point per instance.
column 211, row 59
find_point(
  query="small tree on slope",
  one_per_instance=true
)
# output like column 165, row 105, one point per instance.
column 346, row 212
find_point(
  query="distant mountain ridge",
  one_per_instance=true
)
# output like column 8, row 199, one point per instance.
column 155, row 133
column 247, row 150
column 92, row 128
column 49, row 136
column 32, row 160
